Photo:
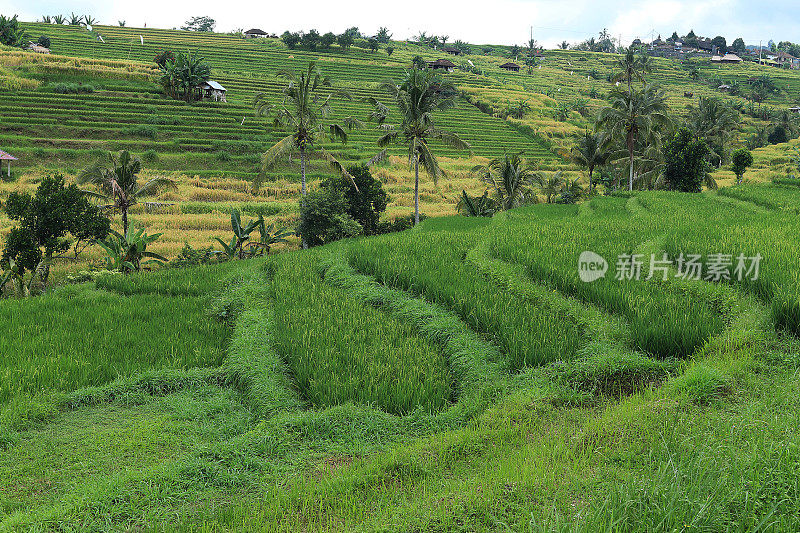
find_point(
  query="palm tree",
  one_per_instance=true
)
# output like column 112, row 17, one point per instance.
column 591, row 152
column 418, row 96
column 715, row 121
column 549, row 186
column 511, row 178
column 118, row 182
column 632, row 67
column 633, row 118
column 303, row 111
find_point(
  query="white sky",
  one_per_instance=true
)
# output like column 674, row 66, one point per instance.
column 496, row 21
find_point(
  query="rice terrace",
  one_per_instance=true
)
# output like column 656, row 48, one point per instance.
column 291, row 279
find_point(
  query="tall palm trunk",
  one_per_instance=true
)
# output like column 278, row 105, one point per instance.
column 630, row 176
column 416, row 188
column 125, row 221
column 303, row 186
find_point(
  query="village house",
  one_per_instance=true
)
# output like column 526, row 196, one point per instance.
column 442, row 64
column 255, row 33
column 727, row 58
column 513, row 67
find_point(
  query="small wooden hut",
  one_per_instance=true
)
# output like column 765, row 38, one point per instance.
column 5, row 156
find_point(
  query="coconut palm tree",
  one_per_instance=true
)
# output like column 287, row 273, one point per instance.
column 419, row 95
column 511, row 179
column 303, row 111
column 632, row 119
column 715, row 121
column 118, row 182
column 632, row 67
column 549, row 185
column 591, row 152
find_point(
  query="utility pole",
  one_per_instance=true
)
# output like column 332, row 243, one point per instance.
column 760, row 51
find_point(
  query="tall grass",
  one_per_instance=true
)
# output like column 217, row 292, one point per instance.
column 340, row 350
column 431, row 264
column 79, row 336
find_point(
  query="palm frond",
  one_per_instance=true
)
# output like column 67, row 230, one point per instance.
column 338, row 167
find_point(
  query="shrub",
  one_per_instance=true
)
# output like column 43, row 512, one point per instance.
column 778, row 135
column 365, row 205
column 10, row 32
column 686, row 162
column 72, row 88
column 742, row 158
column 291, row 39
column 324, row 217
column 142, row 130
column 163, row 57
column 150, row 156
column 44, row 40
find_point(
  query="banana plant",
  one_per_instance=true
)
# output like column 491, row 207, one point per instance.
column 271, row 235
column 128, row 253
column 15, row 275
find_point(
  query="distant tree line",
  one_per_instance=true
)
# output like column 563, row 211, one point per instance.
column 313, row 40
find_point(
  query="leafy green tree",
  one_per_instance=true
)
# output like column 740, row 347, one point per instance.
column 778, row 135
column 365, row 202
column 721, row 44
column 741, row 160
column 389, row 50
column 327, row 40
column 353, row 33
column 419, row 63
column 373, row 44
column 686, row 162
column 199, row 24
column 50, row 221
column 383, row 35
column 303, row 111
column 310, row 40
column 590, row 152
column 324, row 218
column 633, row 119
column 118, row 182
column 345, row 40
column 418, row 97
column 738, row 46
column 511, row 179
column 291, row 39
column 10, row 32
column 43, row 40
column 515, row 51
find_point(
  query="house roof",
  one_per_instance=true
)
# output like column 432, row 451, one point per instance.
column 442, row 63
column 255, row 31
column 795, row 108
column 212, row 85
column 451, row 49
column 509, row 65
column 5, row 156
column 727, row 58
column 784, row 55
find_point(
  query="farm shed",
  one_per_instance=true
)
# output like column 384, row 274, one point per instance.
column 452, row 50
column 39, row 49
column 510, row 66
column 212, row 90
column 795, row 109
column 255, row 33
column 5, row 156
column 442, row 64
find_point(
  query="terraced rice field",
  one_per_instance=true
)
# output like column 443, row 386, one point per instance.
column 370, row 381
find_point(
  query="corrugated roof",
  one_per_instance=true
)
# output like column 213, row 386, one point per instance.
column 213, row 85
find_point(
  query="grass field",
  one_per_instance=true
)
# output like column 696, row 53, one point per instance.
column 452, row 377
